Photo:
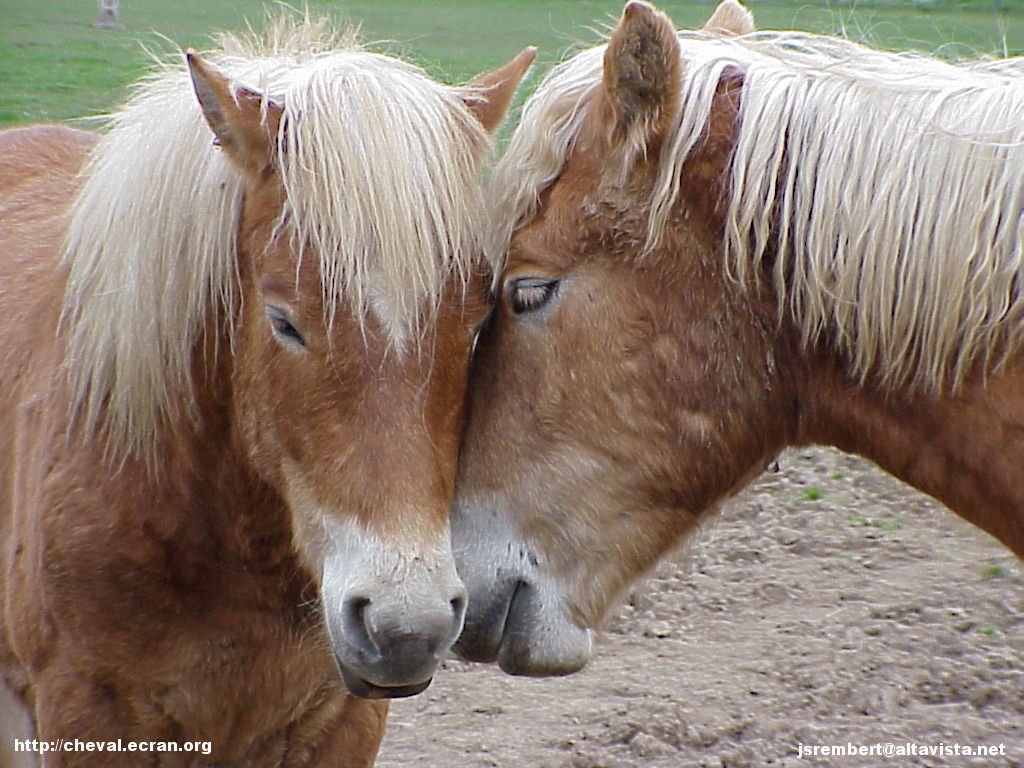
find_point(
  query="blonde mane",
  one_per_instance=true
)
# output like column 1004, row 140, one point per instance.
column 379, row 165
column 886, row 188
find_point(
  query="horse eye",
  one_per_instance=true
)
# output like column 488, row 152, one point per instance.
column 531, row 293
column 283, row 328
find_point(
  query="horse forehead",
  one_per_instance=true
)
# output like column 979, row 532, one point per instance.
column 557, row 244
column 564, row 220
column 533, row 245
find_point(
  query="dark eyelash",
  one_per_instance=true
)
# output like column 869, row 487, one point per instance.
column 283, row 327
column 530, row 294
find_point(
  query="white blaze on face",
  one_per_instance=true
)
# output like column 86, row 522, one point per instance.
column 392, row 315
column 407, row 575
column 392, row 608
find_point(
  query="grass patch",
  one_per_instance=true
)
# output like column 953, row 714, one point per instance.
column 887, row 524
column 993, row 572
column 813, row 494
column 55, row 67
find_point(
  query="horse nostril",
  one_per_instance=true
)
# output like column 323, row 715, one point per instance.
column 458, row 607
column 458, row 618
column 353, row 616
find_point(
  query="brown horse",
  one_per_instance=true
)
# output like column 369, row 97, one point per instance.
column 232, row 391
column 723, row 244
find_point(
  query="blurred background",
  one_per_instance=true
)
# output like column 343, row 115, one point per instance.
column 55, row 65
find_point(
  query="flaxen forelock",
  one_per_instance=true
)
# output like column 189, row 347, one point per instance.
column 380, row 169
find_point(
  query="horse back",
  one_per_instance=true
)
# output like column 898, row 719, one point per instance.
column 38, row 166
column 39, row 169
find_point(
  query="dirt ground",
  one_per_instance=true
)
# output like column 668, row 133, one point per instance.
column 829, row 604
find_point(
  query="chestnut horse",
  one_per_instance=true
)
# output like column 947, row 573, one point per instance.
column 232, row 391
column 724, row 244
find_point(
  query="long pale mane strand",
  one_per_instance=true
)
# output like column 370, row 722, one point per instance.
column 885, row 187
column 380, row 170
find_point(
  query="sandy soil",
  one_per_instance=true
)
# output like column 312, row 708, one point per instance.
column 829, row 604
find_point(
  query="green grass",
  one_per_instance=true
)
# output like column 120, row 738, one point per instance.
column 993, row 572
column 887, row 524
column 55, row 66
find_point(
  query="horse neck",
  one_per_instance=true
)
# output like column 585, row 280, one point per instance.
column 965, row 450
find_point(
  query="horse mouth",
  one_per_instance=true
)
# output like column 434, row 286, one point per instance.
column 525, row 638
column 482, row 638
column 364, row 689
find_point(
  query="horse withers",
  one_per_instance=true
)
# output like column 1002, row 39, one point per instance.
column 236, row 341
column 719, row 244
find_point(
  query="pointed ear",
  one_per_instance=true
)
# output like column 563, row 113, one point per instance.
column 642, row 76
column 730, row 19
column 244, row 122
column 491, row 94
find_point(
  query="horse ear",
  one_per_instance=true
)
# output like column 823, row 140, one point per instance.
column 642, row 76
column 244, row 122
column 731, row 19
column 490, row 94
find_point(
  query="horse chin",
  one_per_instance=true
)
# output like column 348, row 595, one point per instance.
column 364, row 689
column 566, row 655
column 540, row 640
